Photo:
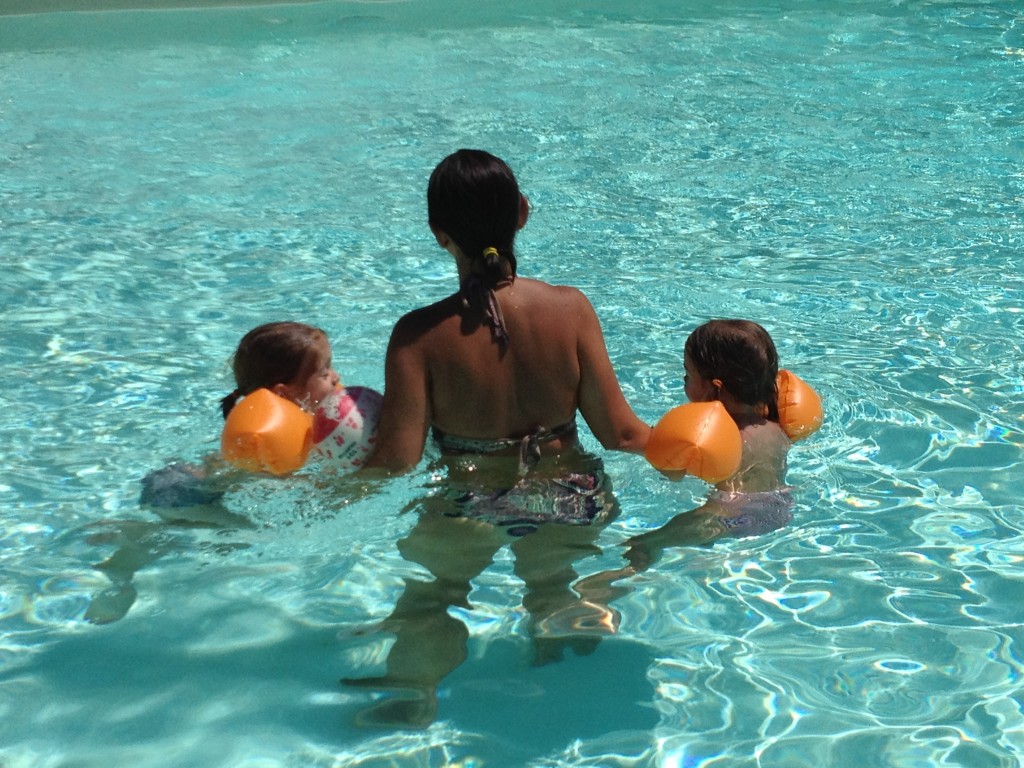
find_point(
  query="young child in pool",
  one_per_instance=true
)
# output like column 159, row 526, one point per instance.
column 736, row 363
column 292, row 360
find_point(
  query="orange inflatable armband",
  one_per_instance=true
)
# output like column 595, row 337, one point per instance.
column 700, row 438
column 800, row 412
column 267, row 433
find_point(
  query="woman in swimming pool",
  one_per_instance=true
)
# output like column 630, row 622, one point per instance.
column 505, row 360
column 498, row 371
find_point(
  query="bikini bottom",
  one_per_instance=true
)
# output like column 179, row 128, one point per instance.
column 575, row 498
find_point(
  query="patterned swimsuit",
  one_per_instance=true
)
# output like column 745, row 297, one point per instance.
column 574, row 498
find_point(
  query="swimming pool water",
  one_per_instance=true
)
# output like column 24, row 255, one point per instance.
column 848, row 174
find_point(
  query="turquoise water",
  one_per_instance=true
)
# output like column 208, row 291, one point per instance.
column 848, row 174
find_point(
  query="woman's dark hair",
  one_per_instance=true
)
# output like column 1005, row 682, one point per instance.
column 276, row 353
column 741, row 355
column 474, row 198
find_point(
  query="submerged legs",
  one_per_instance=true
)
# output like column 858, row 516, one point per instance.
column 429, row 642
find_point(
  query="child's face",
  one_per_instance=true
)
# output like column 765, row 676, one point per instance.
column 322, row 383
column 309, row 392
column 698, row 389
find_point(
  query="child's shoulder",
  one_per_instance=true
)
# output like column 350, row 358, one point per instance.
column 763, row 432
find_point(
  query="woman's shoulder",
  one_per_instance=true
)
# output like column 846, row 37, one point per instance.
column 419, row 321
column 545, row 286
column 563, row 294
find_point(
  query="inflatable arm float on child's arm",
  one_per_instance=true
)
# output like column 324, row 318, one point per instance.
column 268, row 433
column 702, row 439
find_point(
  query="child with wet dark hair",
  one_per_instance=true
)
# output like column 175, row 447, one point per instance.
column 735, row 362
column 292, row 360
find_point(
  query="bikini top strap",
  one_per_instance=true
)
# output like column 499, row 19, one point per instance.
column 479, row 296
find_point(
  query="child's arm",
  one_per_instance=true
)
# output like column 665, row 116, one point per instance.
column 193, row 494
column 178, row 485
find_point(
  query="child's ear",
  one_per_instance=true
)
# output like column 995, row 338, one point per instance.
column 282, row 390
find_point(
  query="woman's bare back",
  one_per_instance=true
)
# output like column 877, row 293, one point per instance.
column 445, row 370
column 489, row 392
